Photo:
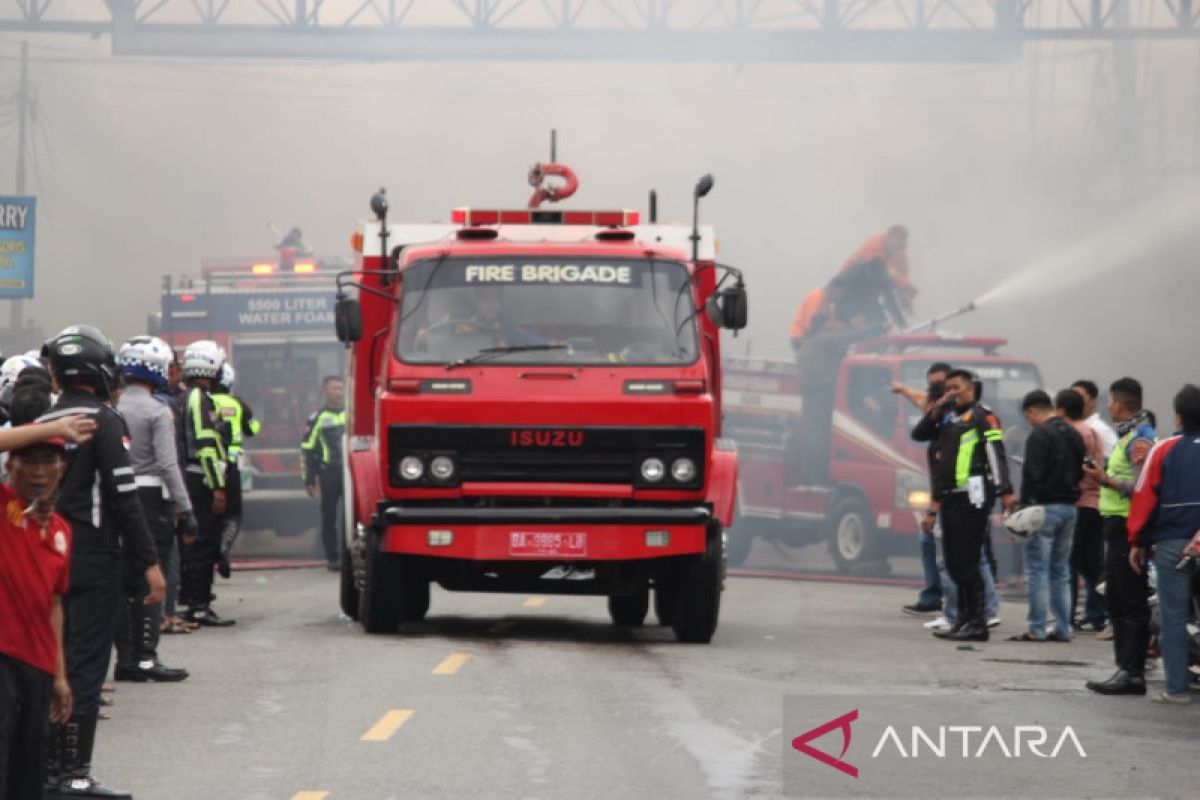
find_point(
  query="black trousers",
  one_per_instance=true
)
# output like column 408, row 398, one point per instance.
column 24, row 713
column 1126, row 594
column 233, row 491
column 138, row 627
column 1087, row 556
column 330, row 478
column 963, row 529
column 92, row 605
column 196, row 560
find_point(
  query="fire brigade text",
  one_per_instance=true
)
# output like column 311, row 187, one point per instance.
column 548, row 273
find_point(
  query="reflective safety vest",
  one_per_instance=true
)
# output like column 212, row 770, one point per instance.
column 239, row 420
column 204, row 450
column 322, row 445
column 1121, row 468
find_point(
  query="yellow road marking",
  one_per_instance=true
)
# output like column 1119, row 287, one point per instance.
column 535, row 602
column 452, row 664
column 310, row 795
column 390, row 723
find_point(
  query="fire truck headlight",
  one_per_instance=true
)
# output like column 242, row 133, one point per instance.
column 683, row 470
column 653, row 470
column 442, row 468
column 411, row 468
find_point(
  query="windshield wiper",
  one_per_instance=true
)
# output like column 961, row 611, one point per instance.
column 488, row 352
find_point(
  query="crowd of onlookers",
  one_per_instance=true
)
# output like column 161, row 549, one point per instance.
column 1106, row 516
column 119, row 495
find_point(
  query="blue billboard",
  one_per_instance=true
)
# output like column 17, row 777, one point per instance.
column 17, row 225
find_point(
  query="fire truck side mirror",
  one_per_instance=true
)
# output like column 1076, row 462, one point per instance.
column 729, row 308
column 348, row 320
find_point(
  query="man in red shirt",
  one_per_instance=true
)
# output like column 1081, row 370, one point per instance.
column 35, row 548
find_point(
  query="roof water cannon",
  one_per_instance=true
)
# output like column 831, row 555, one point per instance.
column 931, row 324
column 543, row 191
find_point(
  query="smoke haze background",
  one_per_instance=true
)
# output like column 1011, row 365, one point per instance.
column 1007, row 175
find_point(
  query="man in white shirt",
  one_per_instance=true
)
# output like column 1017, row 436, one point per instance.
column 1090, row 394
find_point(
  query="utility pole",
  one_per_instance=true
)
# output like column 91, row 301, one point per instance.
column 15, row 321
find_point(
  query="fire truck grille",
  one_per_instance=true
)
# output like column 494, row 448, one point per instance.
column 525, row 454
column 537, row 467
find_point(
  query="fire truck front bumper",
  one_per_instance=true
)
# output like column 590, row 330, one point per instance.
column 545, row 534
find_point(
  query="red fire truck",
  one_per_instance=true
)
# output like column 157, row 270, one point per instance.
column 879, row 484
column 274, row 317
column 535, row 406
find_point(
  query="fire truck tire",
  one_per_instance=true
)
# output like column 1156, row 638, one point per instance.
column 394, row 590
column 853, row 539
column 740, row 539
column 664, row 598
column 347, row 590
column 379, row 599
column 698, row 599
column 629, row 610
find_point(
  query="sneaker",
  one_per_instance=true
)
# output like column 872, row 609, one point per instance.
column 1105, row 634
column 939, row 624
column 1088, row 626
column 1171, row 699
column 922, row 609
column 994, row 622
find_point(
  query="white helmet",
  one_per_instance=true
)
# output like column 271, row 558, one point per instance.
column 13, row 367
column 147, row 358
column 228, row 376
column 203, row 359
column 1024, row 524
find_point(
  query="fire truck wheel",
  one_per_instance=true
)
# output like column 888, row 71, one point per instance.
column 629, row 610
column 414, row 592
column 852, row 536
column 379, row 600
column 739, row 540
column 665, row 593
column 698, row 602
column 348, row 591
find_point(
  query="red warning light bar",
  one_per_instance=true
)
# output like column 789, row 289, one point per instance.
column 481, row 216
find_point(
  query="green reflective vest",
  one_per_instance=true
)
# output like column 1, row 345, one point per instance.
column 239, row 422
column 322, row 445
column 1118, row 468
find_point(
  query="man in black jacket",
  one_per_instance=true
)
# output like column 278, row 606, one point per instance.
column 1050, row 477
column 99, row 499
column 969, row 470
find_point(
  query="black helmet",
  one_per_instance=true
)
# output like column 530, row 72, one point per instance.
column 82, row 354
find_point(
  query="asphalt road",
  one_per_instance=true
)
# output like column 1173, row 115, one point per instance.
column 505, row 696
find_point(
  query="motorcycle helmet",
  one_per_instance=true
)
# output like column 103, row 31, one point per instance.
column 83, row 354
column 203, row 359
column 1024, row 524
column 145, row 358
column 227, row 377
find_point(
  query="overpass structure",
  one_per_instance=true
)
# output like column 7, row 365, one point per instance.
column 880, row 31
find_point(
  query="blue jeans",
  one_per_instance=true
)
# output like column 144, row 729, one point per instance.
column 1174, row 602
column 950, row 591
column 931, row 595
column 1048, row 560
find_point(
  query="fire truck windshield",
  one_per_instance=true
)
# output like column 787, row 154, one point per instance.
column 544, row 310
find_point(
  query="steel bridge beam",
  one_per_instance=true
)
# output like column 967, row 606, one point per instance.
column 603, row 30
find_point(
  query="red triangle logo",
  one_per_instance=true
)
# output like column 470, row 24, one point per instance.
column 842, row 723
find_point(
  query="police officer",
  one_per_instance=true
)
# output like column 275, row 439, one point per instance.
column 969, row 470
column 203, row 454
column 322, row 450
column 237, row 423
column 143, row 361
column 99, row 499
